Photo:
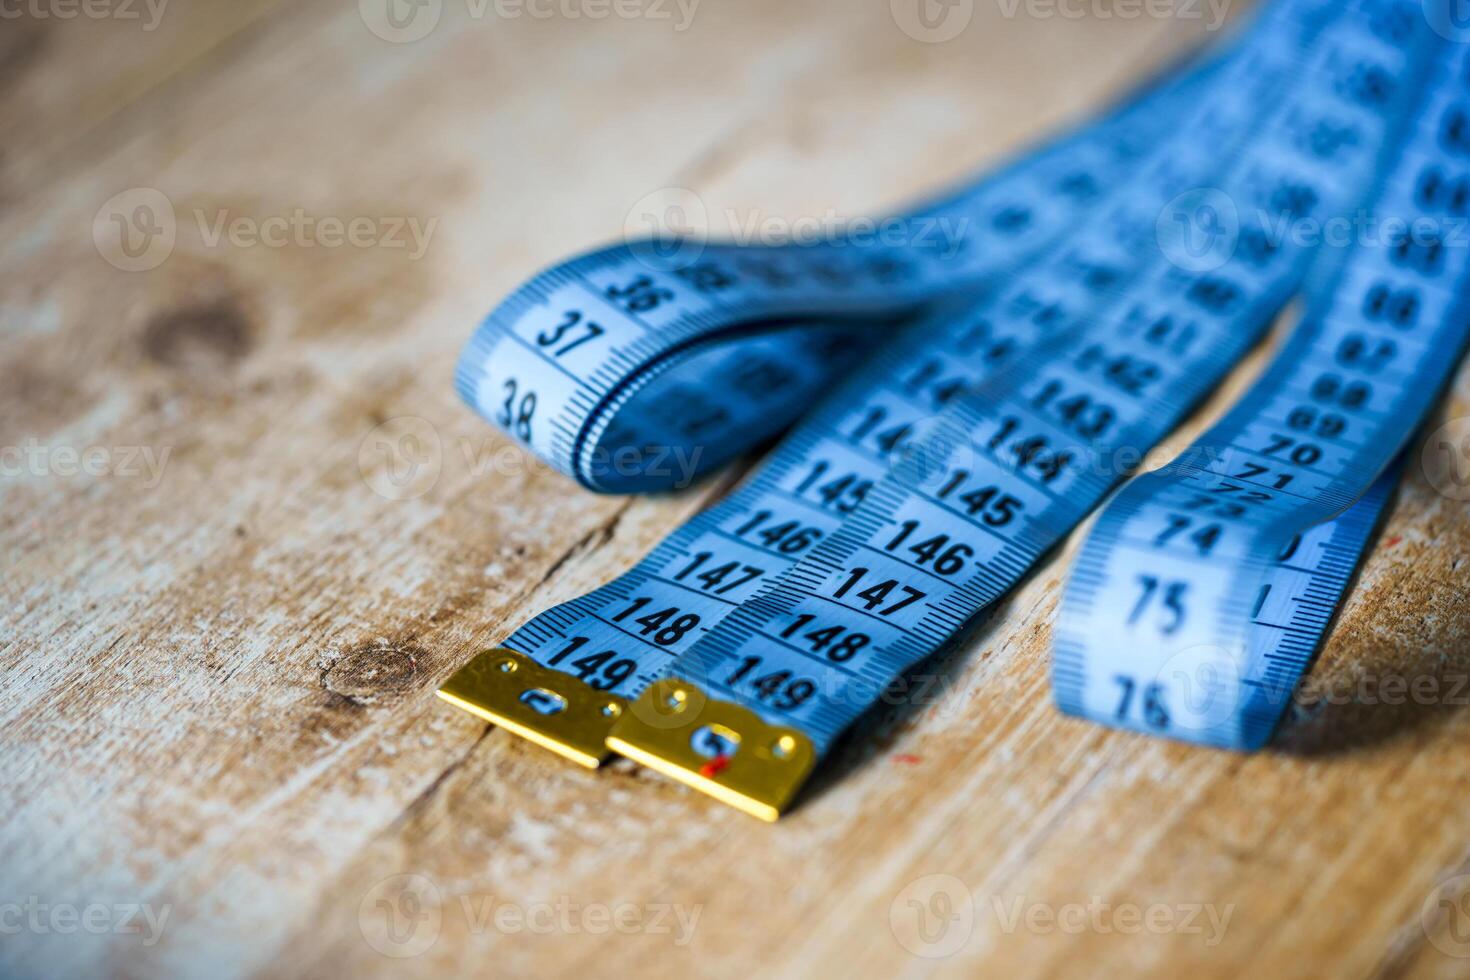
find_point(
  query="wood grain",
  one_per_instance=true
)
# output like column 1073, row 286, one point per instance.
column 218, row 677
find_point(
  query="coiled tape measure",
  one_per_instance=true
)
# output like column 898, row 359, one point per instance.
column 985, row 398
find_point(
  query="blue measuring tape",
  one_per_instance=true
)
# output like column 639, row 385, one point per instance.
column 973, row 404
column 1204, row 590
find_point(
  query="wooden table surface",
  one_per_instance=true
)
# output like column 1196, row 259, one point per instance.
column 222, row 632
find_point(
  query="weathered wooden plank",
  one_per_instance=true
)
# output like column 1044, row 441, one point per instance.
column 73, row 71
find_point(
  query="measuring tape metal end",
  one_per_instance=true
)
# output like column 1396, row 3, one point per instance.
column 548, row 707
column 718, row 747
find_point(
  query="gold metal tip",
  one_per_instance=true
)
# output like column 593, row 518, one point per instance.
column 547, row 707
column 740, row 760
